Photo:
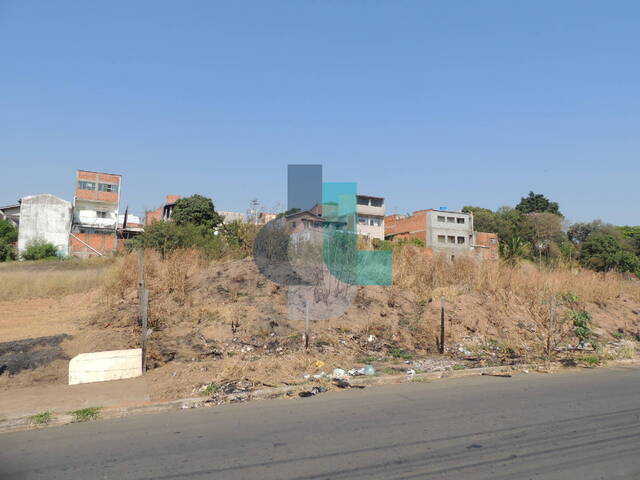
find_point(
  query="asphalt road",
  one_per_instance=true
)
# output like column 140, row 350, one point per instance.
column 583, row 425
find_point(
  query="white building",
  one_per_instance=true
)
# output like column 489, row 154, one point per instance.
column 44, row 218
column 370, row 211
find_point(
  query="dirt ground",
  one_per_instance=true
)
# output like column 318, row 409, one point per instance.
column 224, row 323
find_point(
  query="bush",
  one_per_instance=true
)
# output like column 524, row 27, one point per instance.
column 7, row 252
column 40, row 251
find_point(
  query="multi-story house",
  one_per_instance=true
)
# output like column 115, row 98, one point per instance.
column 95, row 213
column 442, row 231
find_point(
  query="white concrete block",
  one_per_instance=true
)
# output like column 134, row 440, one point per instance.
column 102, row 366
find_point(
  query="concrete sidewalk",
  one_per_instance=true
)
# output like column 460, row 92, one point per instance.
column 24, row 402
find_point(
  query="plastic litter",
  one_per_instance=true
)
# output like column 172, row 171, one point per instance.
column 312, row 392
column 369, row 370
column 411, row 372
column 340, row 373
column 340, row 383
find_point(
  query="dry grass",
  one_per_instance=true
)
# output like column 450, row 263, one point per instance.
column 434, row 276
column 50, row 279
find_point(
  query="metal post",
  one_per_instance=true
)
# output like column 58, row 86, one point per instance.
column 441, row 325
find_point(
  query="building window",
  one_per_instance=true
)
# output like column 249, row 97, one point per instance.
column 461, row 220
column 492, row 240
column 108, row 187
column 451, row 219
column 376, row 202
column 102, row 214
column 451, row 239
column 84, row 185
column 293, row 224
column 362, row 220
column 460, row 240
column 440, row 218
column 441, row 238
column 376, row 222
column 363, row 201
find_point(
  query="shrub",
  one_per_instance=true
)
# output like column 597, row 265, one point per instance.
column 40, row 251
column 7, row 252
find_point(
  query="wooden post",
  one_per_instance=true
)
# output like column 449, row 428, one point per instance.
column 144, row 305
column 441, row 325
column 143, row 298
column 306, row 326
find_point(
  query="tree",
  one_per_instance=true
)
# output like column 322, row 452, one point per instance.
column 196, row 210
column 8, row 236
column 8, row 232
column 484, row 220
column 513, row 249
column 602, row 252
column 537, row 203
column 544, row 233
column 633, row 235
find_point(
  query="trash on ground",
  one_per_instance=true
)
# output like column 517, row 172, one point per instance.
column 369, row 370
column 411, row 372
column 505, row 375
column 340, row 383
column 340, row 373
column 319, row 364
column 312, row 392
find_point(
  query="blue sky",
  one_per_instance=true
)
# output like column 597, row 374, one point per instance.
column 427, row 103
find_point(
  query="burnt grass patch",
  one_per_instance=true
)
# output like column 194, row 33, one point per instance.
column 31, row 353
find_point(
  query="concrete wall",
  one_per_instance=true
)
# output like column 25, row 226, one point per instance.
column 44, row 218
column 437, row 228
column 103, row 366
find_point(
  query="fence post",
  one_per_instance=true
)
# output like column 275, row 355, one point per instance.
column 441, row 325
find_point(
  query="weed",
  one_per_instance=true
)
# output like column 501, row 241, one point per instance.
column 399, row 353
column 41, row 418
column 210, row 389
column 86, row 414
column 459, row 366
column 421, row 380
column 389, row 371
column 589, row 360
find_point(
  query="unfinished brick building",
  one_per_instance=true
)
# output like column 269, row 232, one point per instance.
column 451, row 233
column 95, row 214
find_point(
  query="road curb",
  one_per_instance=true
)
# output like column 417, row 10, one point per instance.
column 17, row 424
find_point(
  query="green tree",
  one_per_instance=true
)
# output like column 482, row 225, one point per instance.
column 40, row 251
column 484, row 220
column 8, row 236
column 196, row 210
column 513, row 249
column 537, row 203
column 633, row 235
column 603, row 252
column 8, row 233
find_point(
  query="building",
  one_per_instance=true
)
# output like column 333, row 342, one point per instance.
column 370, row 211
column 44, row 218
column 11, row 213
column 233, row 216
column 95, row 213
column 443, row 231
column 162, row 213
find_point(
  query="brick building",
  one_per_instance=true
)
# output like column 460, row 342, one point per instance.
column 442, row 231
column 95, row 213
